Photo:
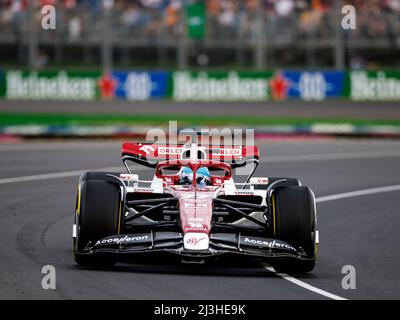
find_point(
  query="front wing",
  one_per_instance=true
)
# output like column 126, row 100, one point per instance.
column 172, row 242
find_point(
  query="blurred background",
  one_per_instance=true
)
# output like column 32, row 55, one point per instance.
column 212, row 33
column 283, row 66
column 323, row 101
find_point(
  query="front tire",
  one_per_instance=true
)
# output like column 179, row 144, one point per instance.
column 99, row 214
column 290, row 182
column 294, row 221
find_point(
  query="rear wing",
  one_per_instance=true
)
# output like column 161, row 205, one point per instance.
column 150, row 155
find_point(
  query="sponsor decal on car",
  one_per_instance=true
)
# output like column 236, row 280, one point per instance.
column 167, row 150
column 195, row 225
column 147, row 149
column 190, row 196
column 229, row 152
column 168, row 180
column 130, row 177
column 123, row 239
column 244, row 192
column 196, row 241
column 267, row 243
column 196, row 205
column 259, row 180
column 198, row 228
column 151, row 190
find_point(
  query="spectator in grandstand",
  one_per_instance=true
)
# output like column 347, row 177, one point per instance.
column 228, row 18
column 134, row 16
column 283, row 20
column 172, row 16
column 357, row 62
column 225, row 18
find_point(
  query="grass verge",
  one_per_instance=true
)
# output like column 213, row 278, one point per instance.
column 8, row 119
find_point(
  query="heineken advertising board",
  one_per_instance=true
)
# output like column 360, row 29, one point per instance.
column 141, row 85
column 83, row 86
column 306, row 85
column 220, row 86
column 314, row 85
column 51, row 85
column 373, row 85
column 201, row 86
column 257, row 86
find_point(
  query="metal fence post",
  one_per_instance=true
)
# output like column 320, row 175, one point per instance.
column 182, row 43
column 240, row 56
column 106, row 47
column 33, row 37
column 59, row 52
column 339, row 49
column 259, row 47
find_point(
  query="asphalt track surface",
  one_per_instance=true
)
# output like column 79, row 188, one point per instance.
column 287, row 109
column 37, row 192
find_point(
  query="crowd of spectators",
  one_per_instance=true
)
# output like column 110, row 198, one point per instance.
column 224, row 18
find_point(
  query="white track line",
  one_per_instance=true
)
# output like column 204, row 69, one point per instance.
column 56, row 175
column 57, row 146
column 306, row 286
column 358, row 193
column 291, row 158
column 326, row 199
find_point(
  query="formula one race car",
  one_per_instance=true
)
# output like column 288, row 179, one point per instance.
column 192, row 209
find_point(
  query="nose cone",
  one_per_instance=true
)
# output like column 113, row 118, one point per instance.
column 195, row 214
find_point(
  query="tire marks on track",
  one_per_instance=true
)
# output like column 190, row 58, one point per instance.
column 30, row 241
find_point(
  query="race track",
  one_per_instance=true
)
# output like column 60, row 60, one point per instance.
column 37, row 194
column 327, row 109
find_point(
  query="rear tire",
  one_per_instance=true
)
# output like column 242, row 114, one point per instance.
column 99, row 216
column 294, row 221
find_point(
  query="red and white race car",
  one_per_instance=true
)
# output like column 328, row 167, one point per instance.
column 196, row 217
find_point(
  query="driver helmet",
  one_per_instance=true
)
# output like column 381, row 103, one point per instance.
column 203, row 176
column 185, row 175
